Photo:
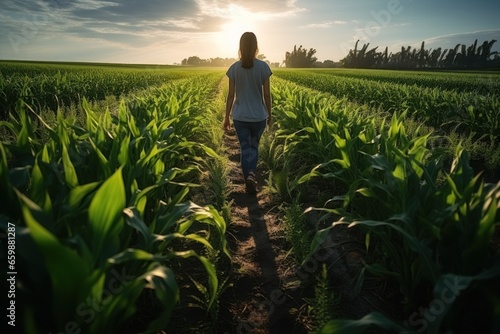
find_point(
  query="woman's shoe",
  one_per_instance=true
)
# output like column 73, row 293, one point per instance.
column 251, row 184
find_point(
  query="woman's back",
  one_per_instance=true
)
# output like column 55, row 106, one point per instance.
column 249, row 104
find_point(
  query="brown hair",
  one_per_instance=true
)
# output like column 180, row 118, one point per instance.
column 248, row 49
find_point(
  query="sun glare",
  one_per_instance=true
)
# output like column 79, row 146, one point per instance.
column 229, row 36
column 238, row 22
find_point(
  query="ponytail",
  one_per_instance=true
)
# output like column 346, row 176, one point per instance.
column 248, row 49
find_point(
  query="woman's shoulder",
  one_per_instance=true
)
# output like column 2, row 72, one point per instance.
column 260, row 62
column 236, row 63
column 262, row 66
column 232, row 69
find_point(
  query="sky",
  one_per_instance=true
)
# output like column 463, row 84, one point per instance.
column 167, row 31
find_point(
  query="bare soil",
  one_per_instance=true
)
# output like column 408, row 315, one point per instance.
column 264, row 294
column 269, row 291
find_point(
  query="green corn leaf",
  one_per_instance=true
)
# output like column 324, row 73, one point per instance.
column 317, row 241
column 159, row 167
column 210, row 152
column 133, row 218
column 45, row 156
column 171, row 213
column 91, row 116
column 451, row 286
column 412, row 241
column 380, row 162
column 131, row 254
column 379, row 320
column 367, row 240
column 79, row 193
column 12, row 127
column 117, row 307
column 105, row 216
column 146, row 157
column 69, row 169
column 480, row 245
column 454, row 194
column 380, row 270
column 102, row 159
column 68, row 271
column 461, row 170
column 114, row 153
column 367, row 192
column 290, row 114
column 210, row 270
column 199, row 239
column 38, row 191
column 123, row 155
column 106, row 121
column 4, row 167
column 62, row 130
column 133, row 127
column 18, row 177
column 122, row 112
column 359, row 282
column 162, row 280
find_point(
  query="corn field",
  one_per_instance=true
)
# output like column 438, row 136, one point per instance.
column 102, row 168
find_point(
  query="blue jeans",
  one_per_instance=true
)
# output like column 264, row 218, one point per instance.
column 249, row 134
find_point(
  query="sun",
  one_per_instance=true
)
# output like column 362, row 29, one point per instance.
column 229, row 36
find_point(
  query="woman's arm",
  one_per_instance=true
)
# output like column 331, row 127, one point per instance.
column 267, row 100
column 229, row 106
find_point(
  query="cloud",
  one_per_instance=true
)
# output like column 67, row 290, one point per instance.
column 326, row 24
column 128, row 21
column 270, row 8
column 464, row 38
column 261, row 9
column 451, row 40
column 134, row 11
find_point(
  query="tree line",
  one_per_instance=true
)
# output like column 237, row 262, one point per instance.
column 197, row 61
column 460, row 57
column 474, row 56
column 217, row 62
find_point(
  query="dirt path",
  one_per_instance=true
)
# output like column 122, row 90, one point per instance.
column 263, row 297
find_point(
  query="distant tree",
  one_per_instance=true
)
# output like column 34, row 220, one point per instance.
column 433, row 57
column 361, row 58
column 300, row 57
column 330, row 63
column 217, row 62
column 261, row 57
column 197, row 61
column 326, row 64
column 460, row 56
column 194, row 61
column 484, row 53
column 495, row 62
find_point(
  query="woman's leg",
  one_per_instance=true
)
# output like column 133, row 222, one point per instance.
column 256, row 131
column 243, row 132
column 249, row 134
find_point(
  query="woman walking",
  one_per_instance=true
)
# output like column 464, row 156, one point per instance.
column 249, row 103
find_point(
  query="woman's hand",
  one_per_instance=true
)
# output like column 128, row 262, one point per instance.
column 270, row 122
column 226, row 126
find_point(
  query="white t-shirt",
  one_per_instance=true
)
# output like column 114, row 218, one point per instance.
column 249, row 105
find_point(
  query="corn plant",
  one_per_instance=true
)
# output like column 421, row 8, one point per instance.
column 420, row 224
column 416, row 215
column 315, row 129
column 45, row 86
column 104, row 210
column 471, row 112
